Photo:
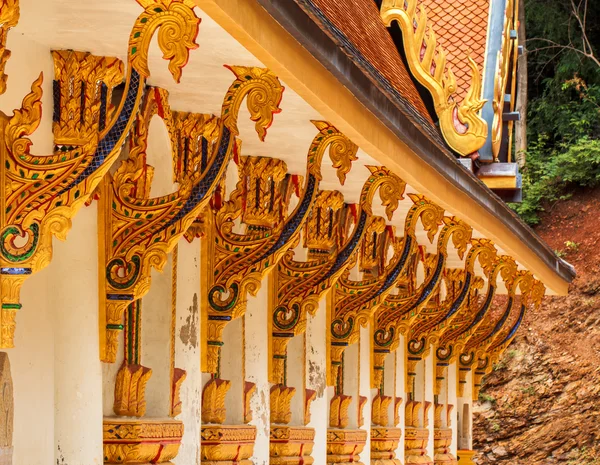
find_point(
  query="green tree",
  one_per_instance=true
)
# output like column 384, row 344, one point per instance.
column 564, row 102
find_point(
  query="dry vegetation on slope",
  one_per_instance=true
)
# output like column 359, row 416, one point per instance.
column 541, row 404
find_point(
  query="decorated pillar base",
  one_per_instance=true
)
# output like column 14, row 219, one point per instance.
column 384, row 442
column 465, row 457
column 140, row 440
column 442, row 442
column 227, row 444
column 291, row 445
column 345, row 445
column 415, row 444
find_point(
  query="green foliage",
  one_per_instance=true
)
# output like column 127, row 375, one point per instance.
column 483, row 397
column 564, row 107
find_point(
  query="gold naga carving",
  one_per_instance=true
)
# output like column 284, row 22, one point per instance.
column 495, row 334
column 138, row 441
column 353, row 302
column 41, row 194
column 451, row 340
column 477, row 324
column 237, row 261
column 399, row 313
column 463, row 128
column 213, row 401
column 298, row 285
column 139, row 230
column 504, row 74
column 281, row 404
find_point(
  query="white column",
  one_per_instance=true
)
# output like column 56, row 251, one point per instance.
column 156, row 342
column 429, row 370
column 316, row 379
column 295, row 377
column 401, row 392
column 465, row 412
column 452, row 381
column 187, row 349
column 257, row 370
column 77, row 368
column 364, row 387
column 232, row 369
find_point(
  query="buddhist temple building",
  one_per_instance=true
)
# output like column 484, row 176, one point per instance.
column 250, row 232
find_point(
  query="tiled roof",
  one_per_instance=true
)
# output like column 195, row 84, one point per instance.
column 358, row 29
column 460, row 25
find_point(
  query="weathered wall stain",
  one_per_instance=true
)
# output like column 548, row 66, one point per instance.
column 189, row 331
column 316, row 378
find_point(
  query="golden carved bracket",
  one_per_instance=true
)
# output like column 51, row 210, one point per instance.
column 237, row 262
column 139, row 230
column 42, row 194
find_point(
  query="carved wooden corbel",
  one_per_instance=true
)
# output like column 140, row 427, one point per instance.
column 139, row 231
column 236, row 262
column 401, row 312
column 42, row 194
column 353, row 302
column 298, row 285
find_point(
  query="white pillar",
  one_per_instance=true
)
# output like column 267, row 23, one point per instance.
column 187, row 349
column 257, row 370
column 295, row 377
column 429, row 370
column 364, row 387
column 316, row 379
column 77, row 367
column 401, row 392
column 452, row 381
column 156, row 342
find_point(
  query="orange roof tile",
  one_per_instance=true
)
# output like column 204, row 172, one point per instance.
column 460, row 25
column 360, row 23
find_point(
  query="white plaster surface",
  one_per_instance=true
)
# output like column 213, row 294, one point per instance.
column 316, row 379
column 187, row 349
column 257, row 371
